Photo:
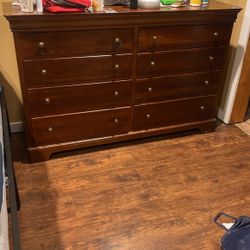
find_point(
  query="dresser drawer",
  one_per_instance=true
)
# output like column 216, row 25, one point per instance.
column 175, row 87
column 76, row 43
column 74, row 70
column 180, row 61
column 79, row 98
column 179, row 37
column 81, row 126
column 173, row 113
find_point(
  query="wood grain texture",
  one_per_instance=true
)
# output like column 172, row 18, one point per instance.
column 158, row 195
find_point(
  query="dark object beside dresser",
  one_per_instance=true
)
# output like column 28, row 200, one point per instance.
column 92, row 79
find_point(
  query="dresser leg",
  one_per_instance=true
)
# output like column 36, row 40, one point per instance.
column 38, row 155
column 208, row 128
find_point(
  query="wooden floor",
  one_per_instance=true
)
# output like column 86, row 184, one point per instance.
column 157, row 195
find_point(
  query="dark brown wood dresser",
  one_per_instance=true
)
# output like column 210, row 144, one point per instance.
column 92, row 79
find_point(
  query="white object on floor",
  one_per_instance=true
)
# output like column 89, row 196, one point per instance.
column 228, row 225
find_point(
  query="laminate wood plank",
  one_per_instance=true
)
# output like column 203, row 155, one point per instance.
column 161, row 194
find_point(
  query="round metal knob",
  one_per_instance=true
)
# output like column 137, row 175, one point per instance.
column 116, row 120
column 211, row 58
column 150, row 89
column 41, row 45
column 47, row 100
column 202, row 107
column 148, row 116
column 152, row 63
column 44, row 71
column 154, row 37
column 117, row 39
column 117, row 66
column 206, row 82
column 116, row 93
column 216, row 34
column 50, row 129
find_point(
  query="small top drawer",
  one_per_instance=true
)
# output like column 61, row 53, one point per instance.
column 73, row 43
column 179, row 37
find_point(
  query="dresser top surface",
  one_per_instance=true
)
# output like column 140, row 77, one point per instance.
column 11, row 11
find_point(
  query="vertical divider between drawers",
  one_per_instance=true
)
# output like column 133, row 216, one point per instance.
column 135, row 51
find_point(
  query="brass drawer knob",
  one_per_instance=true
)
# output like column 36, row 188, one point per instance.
column 116, row 93
column 216, row 34
column 41, row 45
column 44, row 71
column 47, row 100
column 154, row 37
column 116, row 120
column 206, row 82
column 148, row 116
column 50, row 129
column 152, row 64
column 202, row 107
column 117, row 44
column 150, row 89
column 211, row 58
column 117, row 66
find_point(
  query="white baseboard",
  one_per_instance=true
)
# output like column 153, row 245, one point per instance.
column 16, row 127
column 221, row 116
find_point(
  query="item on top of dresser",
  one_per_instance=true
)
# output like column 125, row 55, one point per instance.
column 39, row 6
column 179, row 3
column 133, row 4
column 27, row 5
column 116, row 2
column 148, row 4
column 195, row 3
column 98, row 5
column 167, row 2
column 59, row 6
column 204, row 2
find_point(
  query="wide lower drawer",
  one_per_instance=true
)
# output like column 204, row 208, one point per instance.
column 183, row 36
column 75, row 43
column 78, row 69
column 180, row 61
column 80, row 126
column 173, row 113
column 175, row 87
column 78, row 98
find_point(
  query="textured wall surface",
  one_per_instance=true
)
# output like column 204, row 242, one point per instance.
column 8, row 70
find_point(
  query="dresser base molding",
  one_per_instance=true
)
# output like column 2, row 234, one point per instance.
column 43, row 153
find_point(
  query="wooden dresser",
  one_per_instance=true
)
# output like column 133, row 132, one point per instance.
column 92, row 79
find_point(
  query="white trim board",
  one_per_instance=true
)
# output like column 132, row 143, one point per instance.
column 225, row 114
column 16, row 127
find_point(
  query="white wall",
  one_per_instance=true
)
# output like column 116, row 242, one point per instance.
column 234, row 76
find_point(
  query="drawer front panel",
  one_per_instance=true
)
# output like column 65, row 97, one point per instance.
column 81, row 126
column 173, row 113
column 79, row 98
column 70, row 70
column 173, row 87
column 76, row 43
column 179, row 37
column 183, row 61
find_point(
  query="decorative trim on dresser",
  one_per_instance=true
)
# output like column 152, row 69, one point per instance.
column 92, row 79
